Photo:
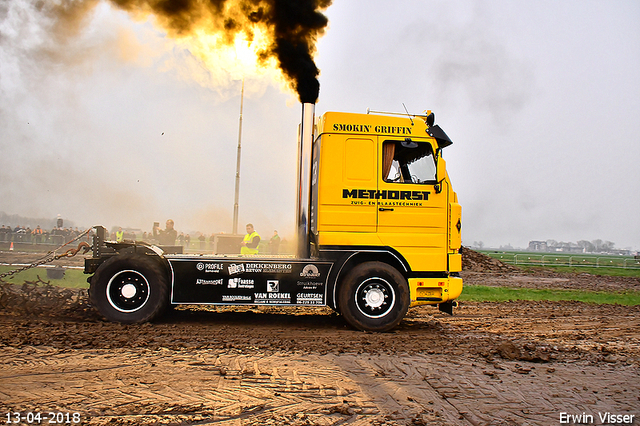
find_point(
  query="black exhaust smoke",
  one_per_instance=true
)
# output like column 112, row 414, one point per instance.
column 291, row 26
column 298, row 24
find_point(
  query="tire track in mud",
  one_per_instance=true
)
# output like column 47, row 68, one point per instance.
column 224, row 387
column 460, row 391
column 139, row 387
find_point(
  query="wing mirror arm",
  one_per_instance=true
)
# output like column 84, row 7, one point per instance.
column 441, row 174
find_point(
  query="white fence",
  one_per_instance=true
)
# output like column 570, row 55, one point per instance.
column 529, row 259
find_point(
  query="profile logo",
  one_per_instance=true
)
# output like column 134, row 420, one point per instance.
column 200, row 266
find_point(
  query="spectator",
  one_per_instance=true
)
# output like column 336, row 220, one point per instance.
column 274, row 243
column 37, row 235
column 165, row 237
column 249, row 244
column 5, row 233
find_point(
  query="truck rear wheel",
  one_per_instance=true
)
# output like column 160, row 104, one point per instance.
column 374, row 297
column 130, row 288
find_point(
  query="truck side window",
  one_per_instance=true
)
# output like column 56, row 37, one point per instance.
column 408, row 162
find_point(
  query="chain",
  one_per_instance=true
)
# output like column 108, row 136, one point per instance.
column 51, row 256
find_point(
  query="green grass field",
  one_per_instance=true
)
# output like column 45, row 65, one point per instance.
column 478, row 293
column 610, row 272
column 73, row 278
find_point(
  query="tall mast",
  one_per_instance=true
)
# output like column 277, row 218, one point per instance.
column 235, row 202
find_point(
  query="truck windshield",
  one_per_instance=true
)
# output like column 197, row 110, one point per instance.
column 408, row 162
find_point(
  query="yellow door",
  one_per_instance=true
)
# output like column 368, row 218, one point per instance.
column 348, row 172
column 412, row 216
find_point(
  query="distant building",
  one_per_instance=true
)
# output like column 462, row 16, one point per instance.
column 623, row 252
column 569, row 248
column 538, row 246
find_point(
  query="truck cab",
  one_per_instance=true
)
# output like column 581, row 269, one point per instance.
column 381, row 192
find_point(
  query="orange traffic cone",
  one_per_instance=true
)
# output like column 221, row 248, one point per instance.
column 11, row 248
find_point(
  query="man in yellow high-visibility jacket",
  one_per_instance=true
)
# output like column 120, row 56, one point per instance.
column 249, row 244
column 119, row 235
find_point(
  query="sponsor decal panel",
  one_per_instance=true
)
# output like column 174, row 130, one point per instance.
column 250, row 281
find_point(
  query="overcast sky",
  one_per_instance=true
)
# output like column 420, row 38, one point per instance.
column 114, row 123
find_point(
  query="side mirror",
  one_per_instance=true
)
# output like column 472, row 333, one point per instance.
column 431, row 119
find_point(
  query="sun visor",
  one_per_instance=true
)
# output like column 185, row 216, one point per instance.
column 440, row 136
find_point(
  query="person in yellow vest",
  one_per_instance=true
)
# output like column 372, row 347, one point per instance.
column 37, row 234
column 249, row 244
column 119, row 235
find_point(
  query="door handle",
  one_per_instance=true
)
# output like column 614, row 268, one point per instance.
column 383, row 209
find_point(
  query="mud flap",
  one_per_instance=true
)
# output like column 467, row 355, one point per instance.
column 447, row 307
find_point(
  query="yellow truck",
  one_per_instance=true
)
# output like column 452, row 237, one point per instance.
column 378, row 230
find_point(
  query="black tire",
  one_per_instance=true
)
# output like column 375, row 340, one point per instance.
column 374, row 296
column 130, row 288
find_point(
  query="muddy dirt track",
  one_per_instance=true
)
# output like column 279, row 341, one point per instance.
column 514, row 363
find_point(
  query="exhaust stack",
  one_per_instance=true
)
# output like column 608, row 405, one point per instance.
column 305, row 143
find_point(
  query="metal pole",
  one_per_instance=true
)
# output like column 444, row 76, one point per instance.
column 235, row 202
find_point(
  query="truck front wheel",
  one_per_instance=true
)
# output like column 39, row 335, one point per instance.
column 130, row 288
column 374, row 296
